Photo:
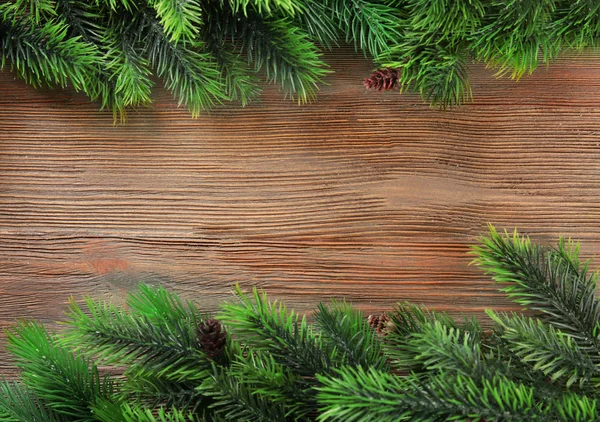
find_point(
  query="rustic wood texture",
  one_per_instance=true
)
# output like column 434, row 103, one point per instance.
column 368, row 196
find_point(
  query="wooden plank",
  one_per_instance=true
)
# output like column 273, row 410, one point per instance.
column 372, row 197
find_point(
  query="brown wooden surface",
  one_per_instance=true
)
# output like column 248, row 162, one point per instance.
column 372, row 197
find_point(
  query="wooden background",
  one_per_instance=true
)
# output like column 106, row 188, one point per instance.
column 372, row 197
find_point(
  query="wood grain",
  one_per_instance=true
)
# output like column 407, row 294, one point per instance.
column 368, row 196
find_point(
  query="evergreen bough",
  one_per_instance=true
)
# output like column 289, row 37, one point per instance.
column 255, row 360
column 207, row 52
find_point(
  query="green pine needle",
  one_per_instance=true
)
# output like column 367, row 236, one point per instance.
column 194, row 77
column 437, row 71
column 217, row 31
column 546, row 281
column 317, row 19
column 18, row 403
column 409, row 323
column 577, row 23
column 234, row 400
column 440, row 348
column 179, row 18
column 359, row 395
column 84, row 19
column 270, row 327
column 125, row 412
column 68, row 384
column 576, row 408
column 145, row 386
column 128, row 72
column 371, row 26
column 546, row 349
column 34, row 10
column 165, row 343
column 265, row 7
column 270, row 379
column 450, row 19
column 162, row 306
column 260, row 374
column 116, row 5
column 45, row 55
column 287, row 55
column 513, row 40
column 346, row 328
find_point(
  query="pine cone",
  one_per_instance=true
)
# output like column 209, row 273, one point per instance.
column 212, row 337
column 378, row 322
column 382, row 80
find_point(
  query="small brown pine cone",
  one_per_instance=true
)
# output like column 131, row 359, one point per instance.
column 378, row 322
column 382, row 80
column 212, row 337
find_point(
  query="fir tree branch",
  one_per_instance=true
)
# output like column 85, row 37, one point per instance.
column 123, row 76
column 495, row 398
column 18, row 404
column 429, row 343
column 170, row 349
column 162, row 306
column 240, row 85
column 577, row 23
column 145, row 386
column 448, row 20
column 68, row 384
column 35, row 11
column 179, row 18
column 568, row 251
column 283, row 50
column 46, row 55
column 271, row 328
column 540, row 279
column 500, row 359
column 515, row 34
column 429, row 42
column 125, row 412
column 264, row 7
column 317, row 19
column 275, row 382
column 552, row 352
column 359, row 395
column 138, row 414
column 575, row 408
column 193, row 77
column 436, row 70
column 527, row 370
column 577, row 277
column 441, row 348
column 290, row 58
column 346, row 328
column 408, row 322
column 83, row 19
column 236, row 401
column 128, row 72
column 219, row 23
column 119, row 71
column 114, row 5
column 407, row 319
column 371, row 26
